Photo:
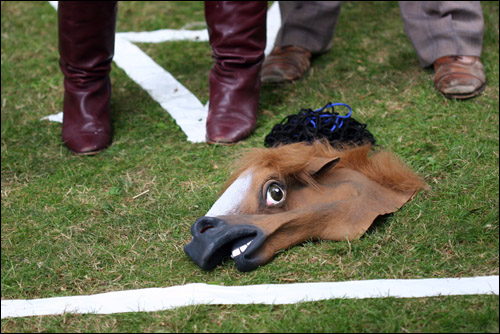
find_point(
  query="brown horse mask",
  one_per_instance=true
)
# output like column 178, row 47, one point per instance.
column 283, row 196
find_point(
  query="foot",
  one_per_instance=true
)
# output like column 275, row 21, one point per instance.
column 91, row 142
column 86, row 128
column 285, row 64
column 229, row 128
column 237, row 36
column 459, row 77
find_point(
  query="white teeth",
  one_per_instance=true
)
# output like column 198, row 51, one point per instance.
column 238, row 250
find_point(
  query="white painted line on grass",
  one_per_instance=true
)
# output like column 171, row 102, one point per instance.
column 58, row 118
column 165, row 35
column 188, row 112
column 158, row 299
column 273, row 25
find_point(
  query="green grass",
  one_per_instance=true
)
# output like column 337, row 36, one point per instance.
column 71, row 225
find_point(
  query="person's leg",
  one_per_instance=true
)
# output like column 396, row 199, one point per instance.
column 86, row 47
column 237, row 33
column 307, row 28
column 449, row 36
column 308, row 24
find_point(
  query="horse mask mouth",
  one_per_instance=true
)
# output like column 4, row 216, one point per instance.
column 213, row 240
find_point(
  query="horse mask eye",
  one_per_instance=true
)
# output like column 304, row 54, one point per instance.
column 274, row 194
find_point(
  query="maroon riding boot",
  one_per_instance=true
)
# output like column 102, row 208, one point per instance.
column 86, row 47
column 237, row 32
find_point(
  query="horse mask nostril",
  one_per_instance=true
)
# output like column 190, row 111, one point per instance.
column 203, row 230
column 204, row 224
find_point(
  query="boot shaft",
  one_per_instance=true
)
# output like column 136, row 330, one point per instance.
column 237, row 31
column 86, row 38
column 86, row 48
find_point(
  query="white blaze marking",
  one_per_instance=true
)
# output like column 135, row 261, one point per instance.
column 231, row 199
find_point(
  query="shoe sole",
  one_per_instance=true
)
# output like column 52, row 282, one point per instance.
column 465, row 96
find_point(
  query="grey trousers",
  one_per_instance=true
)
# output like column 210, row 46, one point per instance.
column 435, row 28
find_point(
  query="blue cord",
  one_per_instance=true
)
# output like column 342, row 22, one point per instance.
column 337, row 117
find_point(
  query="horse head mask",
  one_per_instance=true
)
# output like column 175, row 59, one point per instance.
column 283, row 196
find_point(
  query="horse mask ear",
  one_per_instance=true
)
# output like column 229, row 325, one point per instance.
column 319, row 166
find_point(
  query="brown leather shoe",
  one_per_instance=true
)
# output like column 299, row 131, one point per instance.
column 459, row 77
column 285, row 64
column 86, row 47
column 237, row 31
